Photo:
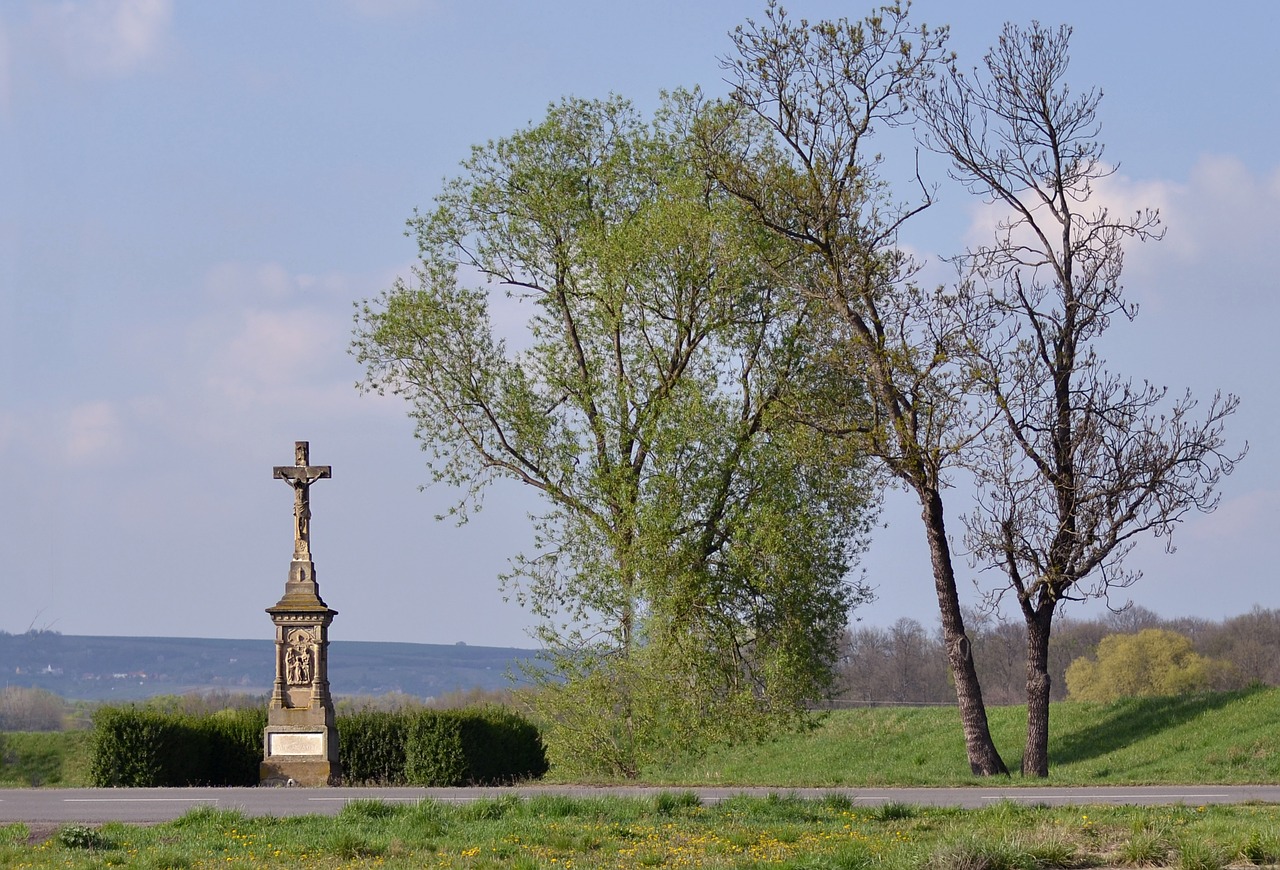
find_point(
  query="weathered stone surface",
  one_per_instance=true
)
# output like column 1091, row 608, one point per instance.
column 300, row 476
column 306, row 772
column 295, row 743
column 300, row 743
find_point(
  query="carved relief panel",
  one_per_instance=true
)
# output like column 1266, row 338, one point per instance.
column 299, row 657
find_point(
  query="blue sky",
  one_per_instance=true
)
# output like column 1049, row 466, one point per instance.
column 192, row 195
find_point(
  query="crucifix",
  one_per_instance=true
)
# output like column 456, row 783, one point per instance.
column 300, row 742
column 300, row 476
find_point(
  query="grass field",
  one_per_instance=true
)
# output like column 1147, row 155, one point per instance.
column 1227, row 738
column 674, row 831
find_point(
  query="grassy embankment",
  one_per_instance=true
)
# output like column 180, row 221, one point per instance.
column 1213, row 738
column 1223, row 738
column 54, row 758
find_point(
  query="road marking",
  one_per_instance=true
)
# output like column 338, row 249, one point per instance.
column 1104, row 796
column 135, row 800
column 380, row 798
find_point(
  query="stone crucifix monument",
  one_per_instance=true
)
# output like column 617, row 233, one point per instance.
column 300, row 744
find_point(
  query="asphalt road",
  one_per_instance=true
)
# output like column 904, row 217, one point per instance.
column 150, row 805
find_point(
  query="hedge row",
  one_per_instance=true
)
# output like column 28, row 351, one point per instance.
column 145, row 748
column 483, row 746
column 480, row 746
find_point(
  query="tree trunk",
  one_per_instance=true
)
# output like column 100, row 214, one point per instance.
column 1035, row 757
column 984, row 760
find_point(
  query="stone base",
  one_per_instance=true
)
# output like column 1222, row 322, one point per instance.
column 299, row 755
column 304, row 772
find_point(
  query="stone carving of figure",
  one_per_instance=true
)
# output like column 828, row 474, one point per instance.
column 297, row 665
column 302, row 516
column 300, row 476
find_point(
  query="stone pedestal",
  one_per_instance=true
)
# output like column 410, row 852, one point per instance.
column 300, row 743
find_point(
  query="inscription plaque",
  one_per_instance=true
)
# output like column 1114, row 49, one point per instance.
column 294, row 743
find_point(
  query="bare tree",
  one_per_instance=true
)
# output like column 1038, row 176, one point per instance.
column 1084, row 460
column 901, row 664
column 31, row 709
column 794, row 146
column 1250, row 641
column 997, row 649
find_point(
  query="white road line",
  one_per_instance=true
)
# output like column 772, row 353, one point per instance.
column 136, row 800
column 1102, row 796
column 370, row 798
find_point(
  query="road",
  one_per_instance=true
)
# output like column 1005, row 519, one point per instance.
column 150, row 805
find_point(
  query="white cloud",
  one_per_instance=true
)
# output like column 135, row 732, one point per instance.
column 90, row 432
column 104, row 37
column 1219, row 224
column 232, row 282
column 274, row 353
column 93, row 432
column 1122, row 196
column 1237, row 521
column 1222, row 204
column 271, row 349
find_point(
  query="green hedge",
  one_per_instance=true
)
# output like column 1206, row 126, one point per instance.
column 479, row 746
column 139, row 748
column 371, row 746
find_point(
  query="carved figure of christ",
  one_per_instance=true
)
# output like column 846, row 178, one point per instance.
column 300, row 476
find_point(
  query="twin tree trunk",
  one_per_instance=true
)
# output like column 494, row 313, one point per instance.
column 984, row 760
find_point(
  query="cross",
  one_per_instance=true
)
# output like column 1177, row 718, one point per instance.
column 300, row 476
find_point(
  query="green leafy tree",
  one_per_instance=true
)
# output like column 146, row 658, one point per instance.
column 1155, row 661
column 689, row 570
column 1080, row 460
column 794, row 143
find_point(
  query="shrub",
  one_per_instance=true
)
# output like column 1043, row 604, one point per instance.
column 143, row 748
column 502, row 746
column 129, row 748
column 373, row 746
column 233, row 740
column 140, row 748
column 83, row 837
column 433, row 750
column 484, row 746
column 1152, row 662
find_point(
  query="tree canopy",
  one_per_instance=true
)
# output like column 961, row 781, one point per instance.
column 691, row 565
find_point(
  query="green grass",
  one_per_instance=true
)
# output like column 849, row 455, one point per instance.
column 1227, row 738
column 1211, row 738
column 674, row 831
column 53, row 758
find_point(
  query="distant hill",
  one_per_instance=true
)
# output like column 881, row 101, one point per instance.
column 127, row 668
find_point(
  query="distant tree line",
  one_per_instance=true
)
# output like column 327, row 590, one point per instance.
column 905, row 663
